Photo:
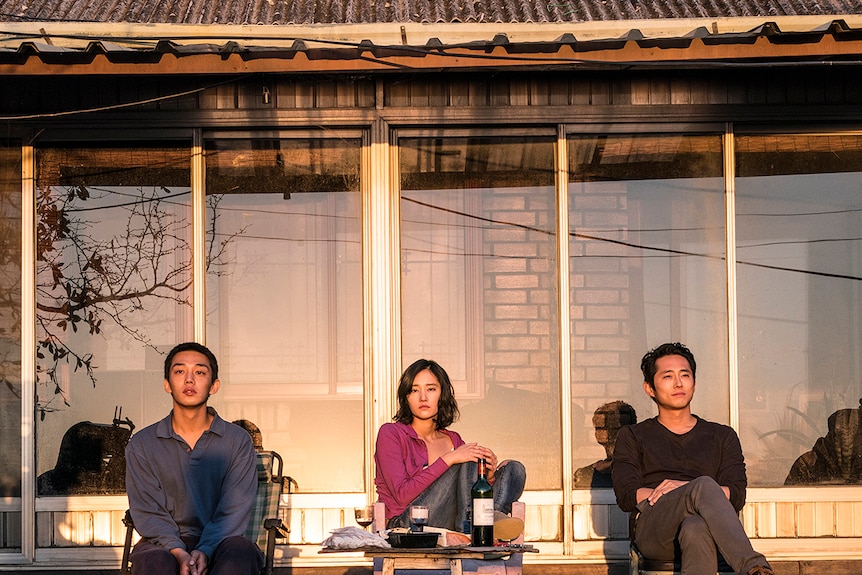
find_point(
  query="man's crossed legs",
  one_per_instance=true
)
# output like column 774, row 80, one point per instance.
column 696, row 518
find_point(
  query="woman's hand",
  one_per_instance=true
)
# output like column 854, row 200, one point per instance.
column 472, row 452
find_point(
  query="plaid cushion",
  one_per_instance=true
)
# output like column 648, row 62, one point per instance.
column 265, row 501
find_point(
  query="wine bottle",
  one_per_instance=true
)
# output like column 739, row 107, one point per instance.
column 483, row 509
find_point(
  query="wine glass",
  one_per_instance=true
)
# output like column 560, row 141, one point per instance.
column 364, row 515
column 418, row 517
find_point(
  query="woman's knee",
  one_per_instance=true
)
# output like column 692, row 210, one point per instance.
column 515, row 470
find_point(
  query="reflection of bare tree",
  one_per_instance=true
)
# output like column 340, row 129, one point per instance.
column 10, row 290
column 84, row 279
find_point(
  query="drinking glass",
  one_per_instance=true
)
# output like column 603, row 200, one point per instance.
column 364, row 515
column 418, row 517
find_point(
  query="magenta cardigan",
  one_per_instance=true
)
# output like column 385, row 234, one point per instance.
column 402, row 466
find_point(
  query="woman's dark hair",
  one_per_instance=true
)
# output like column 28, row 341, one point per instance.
column 648, row 362
column 447, row 407
column 192, row 346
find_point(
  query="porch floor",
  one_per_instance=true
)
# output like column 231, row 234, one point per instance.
column 781, row 568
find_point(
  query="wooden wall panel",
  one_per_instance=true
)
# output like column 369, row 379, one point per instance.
column 785, row 520
column 640, row 91
column 285, row 95
column 397, row 94
column 366, row 93
column 540, row 92
column 659, row 91
column 848, row 519
column 500, row 91
column 680, row 91
column 582, row 92
column 305, row 95
column 806, row 519
column 479, row 92
column 345, row 95
column 519, row 92
column 324, row 95
column 824, row 519
column 767, row 523
column 459, row 94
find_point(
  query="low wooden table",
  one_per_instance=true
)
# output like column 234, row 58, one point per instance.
column 448, row 558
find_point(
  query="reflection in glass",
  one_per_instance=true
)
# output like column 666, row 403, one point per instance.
column 478, row 259
column 799, row 252
column 647, row 266
column 10, row 342
column 284, row 312
column 113, row 264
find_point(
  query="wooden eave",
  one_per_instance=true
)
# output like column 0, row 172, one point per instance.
column 833, row 44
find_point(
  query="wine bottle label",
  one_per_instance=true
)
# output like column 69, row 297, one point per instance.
column 483, row 512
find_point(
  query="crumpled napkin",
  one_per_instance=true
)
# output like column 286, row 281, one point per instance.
column 353, row 538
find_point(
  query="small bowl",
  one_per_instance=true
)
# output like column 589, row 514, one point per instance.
column 413, row 540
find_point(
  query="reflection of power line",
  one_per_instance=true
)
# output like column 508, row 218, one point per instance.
column 473, row 255
column 797, row 242
column 801, row 271
column 293, row 240
column 661, row 250
column 795, row 214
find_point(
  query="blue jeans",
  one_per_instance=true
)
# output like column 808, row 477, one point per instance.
column 693, row 520
column 448, row 498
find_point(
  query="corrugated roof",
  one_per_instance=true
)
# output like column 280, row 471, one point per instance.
column 307, row 12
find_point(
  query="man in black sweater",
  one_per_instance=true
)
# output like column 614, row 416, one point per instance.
column 683, row 476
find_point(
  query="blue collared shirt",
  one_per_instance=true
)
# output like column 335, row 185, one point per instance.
column 176, row 491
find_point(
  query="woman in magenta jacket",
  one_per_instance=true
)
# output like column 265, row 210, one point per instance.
column 421, row 462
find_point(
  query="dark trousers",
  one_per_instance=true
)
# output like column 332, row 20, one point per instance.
column 693, row 520
column 234, row 556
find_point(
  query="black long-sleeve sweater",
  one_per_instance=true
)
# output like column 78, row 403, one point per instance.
column 648, row 453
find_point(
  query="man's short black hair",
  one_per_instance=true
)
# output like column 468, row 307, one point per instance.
column 192, row 346
column 648, row 362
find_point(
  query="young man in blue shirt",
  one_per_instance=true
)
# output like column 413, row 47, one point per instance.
column 191, row 479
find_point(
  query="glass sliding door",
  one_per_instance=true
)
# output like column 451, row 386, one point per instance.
column 10, row 346
column 284, row 308
column 478, row 283
column 799, row 270
column 113, row 289
column 647, row 266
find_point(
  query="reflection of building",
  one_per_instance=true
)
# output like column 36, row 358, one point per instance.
column 531, row 203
